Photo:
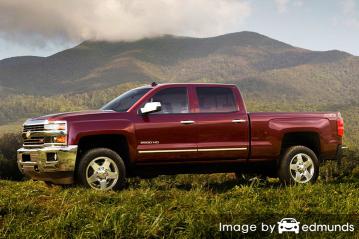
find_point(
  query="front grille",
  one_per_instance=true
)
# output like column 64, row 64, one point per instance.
column 34, row 141
column 37, row 127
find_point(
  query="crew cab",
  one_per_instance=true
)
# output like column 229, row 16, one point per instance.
column 177, row 128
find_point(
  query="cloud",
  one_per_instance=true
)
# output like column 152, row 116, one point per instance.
column 350, row 11
column 41, row 21
column 282, row 5
column 348, row 6
column 298, row 3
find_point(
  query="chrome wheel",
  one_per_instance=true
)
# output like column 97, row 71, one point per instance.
column 301, row 168
column 102, row 173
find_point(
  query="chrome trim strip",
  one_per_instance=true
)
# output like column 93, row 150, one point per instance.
column 166, row 151
column 31, row 122
column 63, row 132
column 50, row 148
column 45, row 145
column 221, row 149
column 187, row 122
column 190, row 150
column 238, row 120
column 32, row 163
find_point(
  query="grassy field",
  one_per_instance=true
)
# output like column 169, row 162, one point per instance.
column 183, row 206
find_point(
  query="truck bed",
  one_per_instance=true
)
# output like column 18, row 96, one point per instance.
column 269, row 129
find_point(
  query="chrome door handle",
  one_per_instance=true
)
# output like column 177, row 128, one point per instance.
column 238, row 121
column 187, row 122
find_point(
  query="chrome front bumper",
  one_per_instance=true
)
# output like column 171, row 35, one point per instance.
column 34, row 163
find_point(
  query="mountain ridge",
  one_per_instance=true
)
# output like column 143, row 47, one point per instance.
column 248, row 59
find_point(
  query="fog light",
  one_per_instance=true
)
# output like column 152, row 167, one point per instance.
column 51, row 157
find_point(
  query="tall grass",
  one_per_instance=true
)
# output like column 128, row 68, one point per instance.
column 183, row 206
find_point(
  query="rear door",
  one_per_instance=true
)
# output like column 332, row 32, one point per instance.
column 222, row 126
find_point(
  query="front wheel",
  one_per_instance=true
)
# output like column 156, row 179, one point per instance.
column 101, row 169
column 299, row 164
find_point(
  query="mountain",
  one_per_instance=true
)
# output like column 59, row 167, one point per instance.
column 92, row 65
column 267, row 71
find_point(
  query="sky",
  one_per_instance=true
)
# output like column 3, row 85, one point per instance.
column 42, row 27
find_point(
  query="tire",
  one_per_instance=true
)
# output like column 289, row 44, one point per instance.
column 101, row 169
column 298, row 164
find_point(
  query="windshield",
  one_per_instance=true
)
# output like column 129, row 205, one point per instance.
column 126, row 100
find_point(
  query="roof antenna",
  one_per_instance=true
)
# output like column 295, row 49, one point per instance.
column 153, row 84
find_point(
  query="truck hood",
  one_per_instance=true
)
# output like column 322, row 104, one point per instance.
column 77, row 115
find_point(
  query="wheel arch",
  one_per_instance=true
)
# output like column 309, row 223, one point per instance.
column 309, row 139
column 116, row 142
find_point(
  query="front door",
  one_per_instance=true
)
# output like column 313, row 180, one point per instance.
column 169, row 134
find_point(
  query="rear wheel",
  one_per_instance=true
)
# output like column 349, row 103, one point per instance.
column 299, row 164
column 101, row 169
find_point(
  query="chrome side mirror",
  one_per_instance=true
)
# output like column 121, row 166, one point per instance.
column 151, row 107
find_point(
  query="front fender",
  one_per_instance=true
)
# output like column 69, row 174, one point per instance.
column 80, row 129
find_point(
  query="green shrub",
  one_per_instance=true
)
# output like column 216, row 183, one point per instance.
column 9, row 143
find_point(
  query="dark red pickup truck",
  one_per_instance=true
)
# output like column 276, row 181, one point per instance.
column 177, row 128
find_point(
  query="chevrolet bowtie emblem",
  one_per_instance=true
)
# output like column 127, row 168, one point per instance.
column 28, row 133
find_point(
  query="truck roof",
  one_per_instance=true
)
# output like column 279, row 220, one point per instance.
column 182, row 84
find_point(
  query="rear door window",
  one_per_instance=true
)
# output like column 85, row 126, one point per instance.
column 216, row 99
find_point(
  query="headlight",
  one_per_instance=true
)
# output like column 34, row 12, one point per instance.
column 58, row 132
column 56, row 125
